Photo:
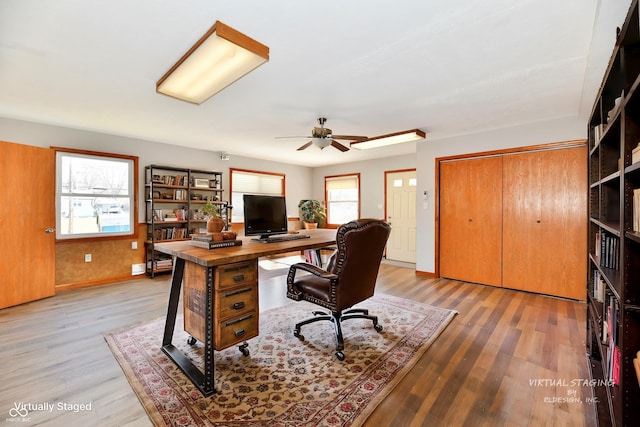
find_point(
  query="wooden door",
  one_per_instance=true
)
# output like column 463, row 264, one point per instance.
column 471, row 220
column 27, row 270
column 401, row 214
column 545, row 217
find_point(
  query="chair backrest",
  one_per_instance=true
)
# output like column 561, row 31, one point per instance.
column 360, row 245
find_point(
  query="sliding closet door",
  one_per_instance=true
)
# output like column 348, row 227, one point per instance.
column 471, row 220
column 544, row 223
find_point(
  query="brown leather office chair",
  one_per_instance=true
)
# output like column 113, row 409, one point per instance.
column 349, row 278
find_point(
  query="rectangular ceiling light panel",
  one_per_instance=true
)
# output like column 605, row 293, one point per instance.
column 219, row 58
column 392, row 138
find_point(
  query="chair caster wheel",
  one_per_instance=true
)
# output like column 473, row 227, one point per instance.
column 191, row 340
column 298, row 335
column 378, row 328
column 340, row 355
column 243, row 349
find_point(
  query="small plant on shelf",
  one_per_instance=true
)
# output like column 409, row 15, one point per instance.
column 210, row 209
column 312, row 211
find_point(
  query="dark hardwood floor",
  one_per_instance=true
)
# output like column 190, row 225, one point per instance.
column 508, row 358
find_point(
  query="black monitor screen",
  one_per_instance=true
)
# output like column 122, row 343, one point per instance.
column 264, row 215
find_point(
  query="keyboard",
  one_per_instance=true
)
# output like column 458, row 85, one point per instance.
column 282, row 238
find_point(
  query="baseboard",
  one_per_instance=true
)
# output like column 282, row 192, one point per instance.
column 426, row 274
column 86, row 284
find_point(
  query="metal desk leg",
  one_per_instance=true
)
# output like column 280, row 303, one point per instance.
column 174, row 298
column 204, row 382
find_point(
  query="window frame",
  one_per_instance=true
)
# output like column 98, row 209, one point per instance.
column 250, row 172
column 132, row 196
column 327, row 202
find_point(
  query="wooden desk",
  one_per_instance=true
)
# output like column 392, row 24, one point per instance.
column 220, row 296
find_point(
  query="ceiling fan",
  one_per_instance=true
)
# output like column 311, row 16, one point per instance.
column 322, row 137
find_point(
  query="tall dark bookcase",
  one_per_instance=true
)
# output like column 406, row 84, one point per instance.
column 613, row 288
column 173, row 198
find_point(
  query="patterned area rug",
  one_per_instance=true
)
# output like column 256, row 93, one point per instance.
column 284, row 381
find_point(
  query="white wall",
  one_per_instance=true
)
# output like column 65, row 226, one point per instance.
column 298, row 178
column 303, row 182
column 371, row 180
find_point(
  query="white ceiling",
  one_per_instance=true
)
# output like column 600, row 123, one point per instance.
column 370, row 66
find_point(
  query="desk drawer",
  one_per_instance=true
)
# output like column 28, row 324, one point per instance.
column 231, row 301
column 234, row 274
column 236, row 330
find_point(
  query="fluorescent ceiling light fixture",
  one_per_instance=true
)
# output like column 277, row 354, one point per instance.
column 219, row 58
column 392, row 138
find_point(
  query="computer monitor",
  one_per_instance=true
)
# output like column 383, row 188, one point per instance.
column 264, row 216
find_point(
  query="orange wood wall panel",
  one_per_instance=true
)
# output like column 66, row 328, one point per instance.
column 111, row 260
column 545, row 217
column 471, row 220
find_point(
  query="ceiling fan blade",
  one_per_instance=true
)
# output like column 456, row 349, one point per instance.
column 282, row 137
column 305, row 146
column 339, row 146
column 350, row 137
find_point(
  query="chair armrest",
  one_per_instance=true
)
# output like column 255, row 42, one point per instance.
column 310, row 268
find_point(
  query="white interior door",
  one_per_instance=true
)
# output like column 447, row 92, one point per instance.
column 401, row 214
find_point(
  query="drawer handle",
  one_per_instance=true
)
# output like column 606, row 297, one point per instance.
column 238, row 305
column 238, row 278
column 238, row 320
column 239, row 332
column 237, row 291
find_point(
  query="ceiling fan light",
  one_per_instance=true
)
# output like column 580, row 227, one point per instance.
column 321, row 142
column 222, row 56
column 390, row 139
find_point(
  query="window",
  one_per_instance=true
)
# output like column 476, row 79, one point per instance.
column 252, row 182
column 95, row 194
column 343, row 198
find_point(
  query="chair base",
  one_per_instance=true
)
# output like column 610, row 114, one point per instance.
column 337, row 318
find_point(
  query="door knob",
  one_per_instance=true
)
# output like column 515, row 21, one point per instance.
column 49, row 230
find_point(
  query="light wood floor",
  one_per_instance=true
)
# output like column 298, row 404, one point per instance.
column 482, row 371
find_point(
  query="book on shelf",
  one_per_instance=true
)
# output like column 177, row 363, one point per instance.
column 159, row 264
column 173, row 180
column 599, row 287
column 610, row 327
column 636, row 365
column 635, row 154
column 608, row 254
column 597, row 133
column 181, row 214
column 615, row 365
column 312, row 256
column 636, row 210
column 169, row 233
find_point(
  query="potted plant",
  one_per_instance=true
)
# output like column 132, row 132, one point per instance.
column 215, row 224
column 312, row 212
